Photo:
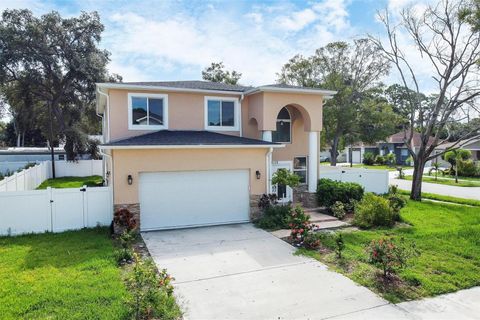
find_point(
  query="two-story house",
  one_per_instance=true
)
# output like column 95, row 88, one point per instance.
column 194, row 153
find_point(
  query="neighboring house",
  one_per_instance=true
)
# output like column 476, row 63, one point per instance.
column 192, row 153
column 12, row 159
column 393, row 144
column 469, row 144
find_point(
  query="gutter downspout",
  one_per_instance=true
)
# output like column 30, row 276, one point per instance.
column 268, row 163
column 110, row 181
column 107, row 107
column 240, row 120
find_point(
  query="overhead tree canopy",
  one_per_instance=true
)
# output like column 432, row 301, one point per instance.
column 451, row 47
column 216, row 73
column 354, row 71
column 59, row 61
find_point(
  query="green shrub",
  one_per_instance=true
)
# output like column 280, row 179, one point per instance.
column 330, row 191
column 339, row 245
column 368, row 159
column 275, row 217
column 373, row 211
column 380, row 160
column 390, row 255
column 457, row 154
column 151, row 292
column 311, row 241
column 467, row 168
column 390, row 159
column 338, row 210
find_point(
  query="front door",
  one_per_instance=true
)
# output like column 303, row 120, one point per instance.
column 284, row 193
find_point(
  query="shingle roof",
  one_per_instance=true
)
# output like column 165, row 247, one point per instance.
column 287, row 86
column 193, row 84
column 400, row 136
column 186, row 138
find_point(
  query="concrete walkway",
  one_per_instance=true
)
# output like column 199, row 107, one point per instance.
column 460, row 192
column 241, row 272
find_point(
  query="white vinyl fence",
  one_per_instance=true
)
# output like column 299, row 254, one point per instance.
column 31, row 178
column 54, row 210
column 371, row 179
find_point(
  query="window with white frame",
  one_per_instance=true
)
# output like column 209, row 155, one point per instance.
column 221, row 113
column 300, row 168
column 147, row 111
column 284, row 127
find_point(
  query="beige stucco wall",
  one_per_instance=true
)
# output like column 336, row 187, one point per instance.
column 265, row 106
column 185, row 112
column 134, row 161
column 299, row 145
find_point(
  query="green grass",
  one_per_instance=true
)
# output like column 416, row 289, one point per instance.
column 71, row 275
column 71, row 182
column 439, row 197
column 448, row 237
column 449, row 182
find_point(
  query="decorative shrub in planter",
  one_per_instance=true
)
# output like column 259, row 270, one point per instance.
column 311, row 241
column 267, row 200
column 124, row 220
column 373, row 211
column 390, row 255
column 330, row 191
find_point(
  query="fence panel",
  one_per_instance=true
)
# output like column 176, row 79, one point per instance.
column 25, row 212
column 54, row 210
column 372, row 180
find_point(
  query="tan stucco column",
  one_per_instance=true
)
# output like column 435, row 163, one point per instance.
column 312, row 161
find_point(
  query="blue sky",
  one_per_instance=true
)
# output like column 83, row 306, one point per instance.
column 175, row 40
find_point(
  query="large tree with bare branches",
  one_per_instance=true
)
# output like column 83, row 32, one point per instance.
column 451, row 47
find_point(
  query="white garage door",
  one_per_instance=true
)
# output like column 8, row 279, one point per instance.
column 193, row 198
column 356, row 156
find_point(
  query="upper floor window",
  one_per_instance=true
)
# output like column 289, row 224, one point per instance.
column 147, row 111
column 221, row 114
column 284, row 127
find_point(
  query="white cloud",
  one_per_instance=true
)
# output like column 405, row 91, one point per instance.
column 252, row 43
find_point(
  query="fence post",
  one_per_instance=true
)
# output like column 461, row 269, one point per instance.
column 85, row 206
column 50, row 199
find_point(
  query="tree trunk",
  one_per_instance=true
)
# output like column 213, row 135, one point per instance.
column 52, row 148
column 18, row 140
column 416, row 191
column 456, row 171
column 334, row 152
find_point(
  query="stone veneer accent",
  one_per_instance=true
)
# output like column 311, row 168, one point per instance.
column 304, row 198
column 255, row 211
column 134, row 208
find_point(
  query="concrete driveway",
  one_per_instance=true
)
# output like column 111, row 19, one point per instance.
column 241, row 272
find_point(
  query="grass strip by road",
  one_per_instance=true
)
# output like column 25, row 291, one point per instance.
column 448, row 182
column 72, row 182
column 439, row 197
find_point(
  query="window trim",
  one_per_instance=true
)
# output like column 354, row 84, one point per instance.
column 236, row 120
column 306, row 168
column 148, row 95
column 284, row 120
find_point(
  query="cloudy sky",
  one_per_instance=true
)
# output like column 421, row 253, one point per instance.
column 175, row 40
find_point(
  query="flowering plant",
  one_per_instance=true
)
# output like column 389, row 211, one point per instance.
column 390, row 255
column 300, row 225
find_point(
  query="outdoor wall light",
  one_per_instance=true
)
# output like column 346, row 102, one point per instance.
column 130, row 179
column 257, row 173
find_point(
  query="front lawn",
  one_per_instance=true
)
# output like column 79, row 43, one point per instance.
column 72, row 182
column 447, row 236
column 71, row 275
column 380, row 167
column 450, row 181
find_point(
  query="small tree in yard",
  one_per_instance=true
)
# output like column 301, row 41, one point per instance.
column 449, row 44
column 286, row 178
column 454, row 157
column 390, row 255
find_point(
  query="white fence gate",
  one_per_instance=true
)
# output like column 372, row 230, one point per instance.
column 371, row 179
column 54, row 210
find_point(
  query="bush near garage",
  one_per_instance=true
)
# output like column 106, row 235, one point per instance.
column 368, row 159
column 275, row 217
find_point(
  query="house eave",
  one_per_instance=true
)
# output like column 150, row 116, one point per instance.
column 107, row 86
column 216, row 146
column 326, row 93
